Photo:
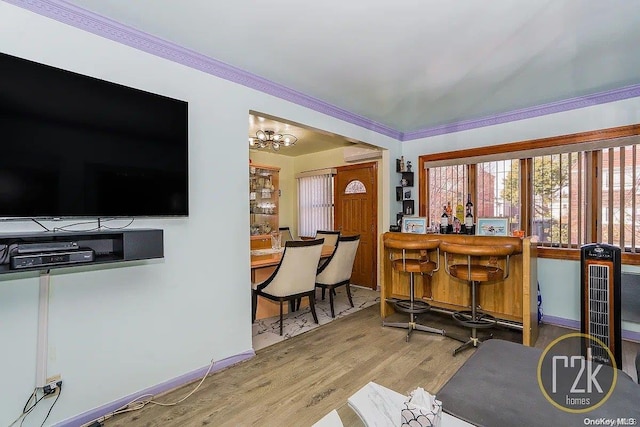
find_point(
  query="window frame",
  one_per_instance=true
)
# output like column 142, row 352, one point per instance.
column 526, row 166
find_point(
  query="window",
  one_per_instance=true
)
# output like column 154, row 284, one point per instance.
column 448, row 186
column 315, row 202
column 620, row 198
column 568, row 190
column 355, row 187
column 559, row 202
column 498, row 190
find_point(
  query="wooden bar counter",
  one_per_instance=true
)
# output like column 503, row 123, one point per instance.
column 514, row 300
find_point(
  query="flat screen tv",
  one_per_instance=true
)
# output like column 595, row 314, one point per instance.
column 77, row 146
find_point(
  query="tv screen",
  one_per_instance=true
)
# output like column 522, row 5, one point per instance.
column 77, row 146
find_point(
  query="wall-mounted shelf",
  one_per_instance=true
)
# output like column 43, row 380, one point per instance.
column 403, row 191
column 408, row 177
column 408, row 207
column 108, row 246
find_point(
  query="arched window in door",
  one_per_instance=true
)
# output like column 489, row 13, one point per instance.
column 355, row 187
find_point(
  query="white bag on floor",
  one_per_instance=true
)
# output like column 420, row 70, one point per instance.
column 421, row 409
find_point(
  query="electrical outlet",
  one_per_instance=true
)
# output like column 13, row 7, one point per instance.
column 52, row 387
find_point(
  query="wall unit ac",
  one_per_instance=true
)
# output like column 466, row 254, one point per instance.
column 359, row 153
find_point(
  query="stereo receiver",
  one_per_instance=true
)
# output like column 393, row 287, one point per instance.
column 46, row 259
column 30, row 248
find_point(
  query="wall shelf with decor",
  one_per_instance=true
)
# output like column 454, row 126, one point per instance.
column 264, row 195
column 404, row 190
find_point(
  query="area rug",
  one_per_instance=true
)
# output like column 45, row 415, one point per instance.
column 266, row 332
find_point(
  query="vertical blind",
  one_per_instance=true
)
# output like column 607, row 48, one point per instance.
column 315, row 203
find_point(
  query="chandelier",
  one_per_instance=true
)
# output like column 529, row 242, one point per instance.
column 270, row 139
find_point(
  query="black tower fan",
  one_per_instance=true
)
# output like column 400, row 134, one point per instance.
column 601, row 277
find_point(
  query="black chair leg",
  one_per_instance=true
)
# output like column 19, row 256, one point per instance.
column 312, row 304
column 254, row 305
column 323, row 289
column 331, row 291
column 348, row 286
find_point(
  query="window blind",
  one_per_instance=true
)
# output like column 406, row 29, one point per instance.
column 315, row 202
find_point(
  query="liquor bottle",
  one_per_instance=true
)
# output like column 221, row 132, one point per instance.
column 444, row 221
column 460, row 211
column 468, row 219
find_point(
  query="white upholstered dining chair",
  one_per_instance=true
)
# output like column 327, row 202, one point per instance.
column 330, row 237
column 293, row 278
column 285, row 235
column 338, row 268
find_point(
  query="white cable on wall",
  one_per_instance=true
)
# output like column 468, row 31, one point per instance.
column 42, row 349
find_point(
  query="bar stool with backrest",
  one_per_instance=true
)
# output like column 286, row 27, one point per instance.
column 409, row 263
column 474, row 272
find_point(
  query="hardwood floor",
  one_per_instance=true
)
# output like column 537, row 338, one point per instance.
column 297, row 381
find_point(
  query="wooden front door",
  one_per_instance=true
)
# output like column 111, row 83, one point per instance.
column 357, row 213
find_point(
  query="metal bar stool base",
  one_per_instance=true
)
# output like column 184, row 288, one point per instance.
column 478, row 320
column 408, row 306
column 472, row 342
column 413, row 326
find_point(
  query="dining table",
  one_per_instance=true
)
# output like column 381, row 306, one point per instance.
column 262, row 258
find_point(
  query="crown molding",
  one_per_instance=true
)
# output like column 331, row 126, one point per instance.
column 529, row 112
column 83, row 19
column 75, row 16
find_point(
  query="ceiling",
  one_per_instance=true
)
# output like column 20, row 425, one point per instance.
column 413, row 64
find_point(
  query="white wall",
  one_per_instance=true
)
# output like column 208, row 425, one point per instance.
column 559, row 280
column 117, row 330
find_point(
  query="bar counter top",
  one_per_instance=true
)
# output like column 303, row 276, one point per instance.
column 514, row 300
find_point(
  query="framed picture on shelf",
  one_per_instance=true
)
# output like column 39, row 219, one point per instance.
column 414, row 224
column 492, row 227
column 407, row 195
